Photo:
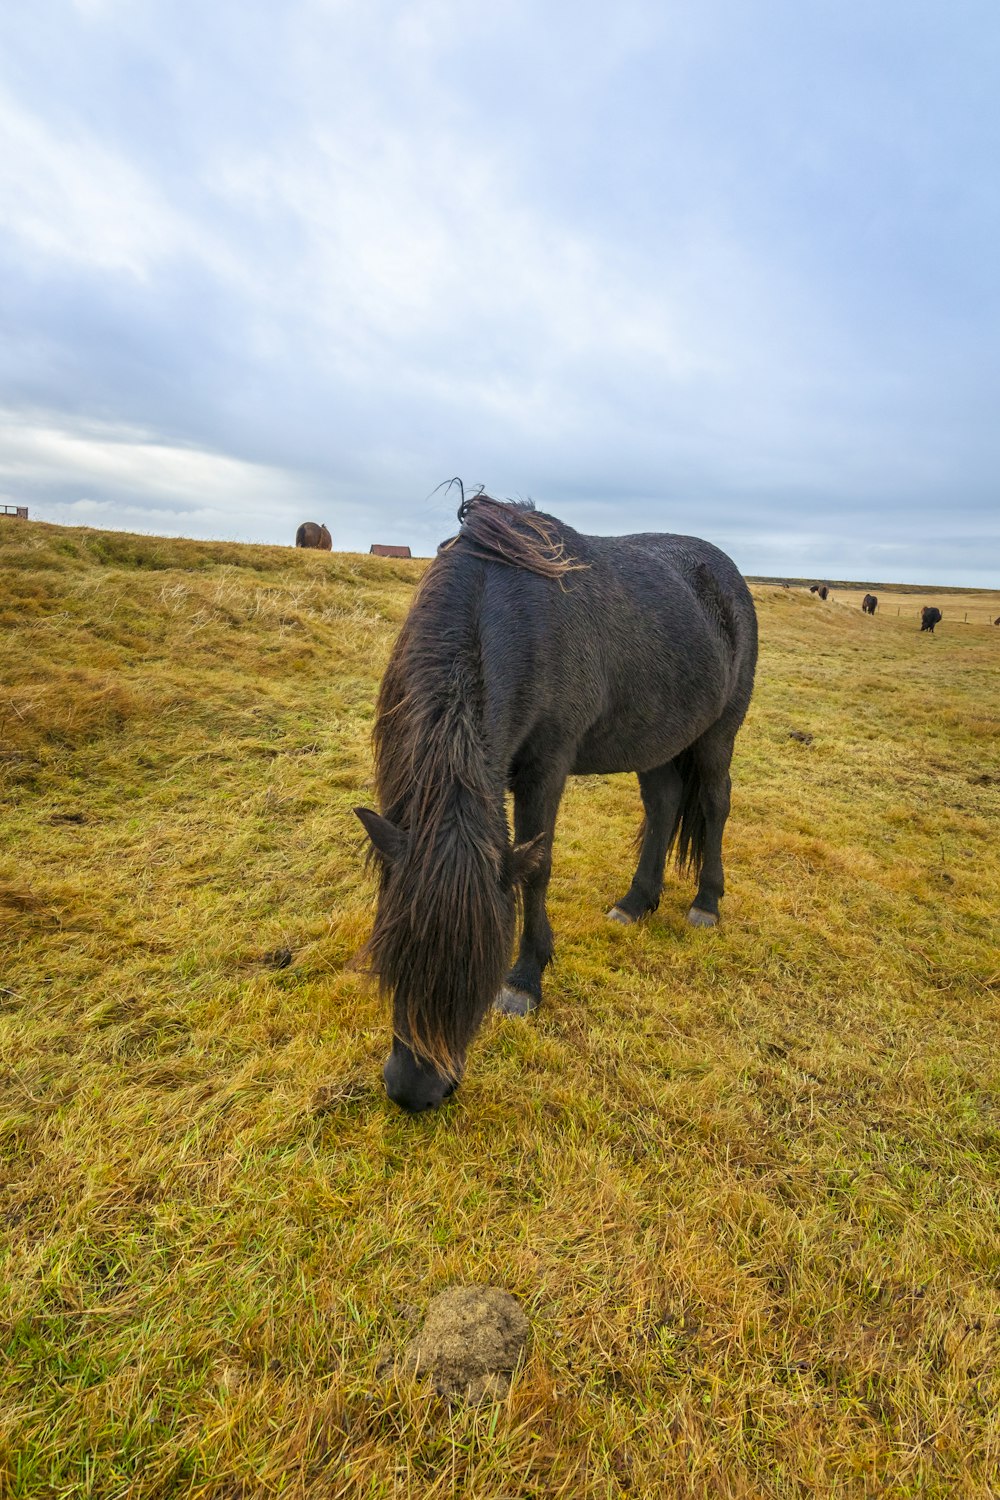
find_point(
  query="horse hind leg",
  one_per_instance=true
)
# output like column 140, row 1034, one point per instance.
column 710, row 760
column 661, row 797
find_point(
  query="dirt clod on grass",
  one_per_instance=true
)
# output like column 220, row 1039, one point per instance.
column 279, row 958
column 471, row 1341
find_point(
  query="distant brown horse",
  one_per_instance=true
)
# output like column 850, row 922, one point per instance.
column 311, row 535
column 820, row 589
column 869, row 604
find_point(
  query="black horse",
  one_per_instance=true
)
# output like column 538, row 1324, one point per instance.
column 820, row 589
column 532, row 653
column 929, row 617
column 869, row 604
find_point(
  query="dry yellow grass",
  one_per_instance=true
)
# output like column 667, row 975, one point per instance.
column 744, row 1182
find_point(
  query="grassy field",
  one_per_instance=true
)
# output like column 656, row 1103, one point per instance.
column 967, row 608
column 904, row 601
column 746, row 1183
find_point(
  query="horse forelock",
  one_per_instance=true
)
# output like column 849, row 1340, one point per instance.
column 442, row 933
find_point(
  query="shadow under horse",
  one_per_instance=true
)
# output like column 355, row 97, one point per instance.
column 532, row 653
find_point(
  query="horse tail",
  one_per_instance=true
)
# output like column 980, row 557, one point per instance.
column 687, row 837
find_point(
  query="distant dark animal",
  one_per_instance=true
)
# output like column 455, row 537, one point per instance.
column 820, row 589
column 378, row 549
column 310, row 534
column 870, row 603
column 929, row 617
column 532, row 653
column 997, row 620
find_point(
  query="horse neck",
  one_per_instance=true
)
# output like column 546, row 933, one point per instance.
column 430, row 741
column 444, row 927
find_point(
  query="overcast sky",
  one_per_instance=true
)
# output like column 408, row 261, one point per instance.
column 729, row 267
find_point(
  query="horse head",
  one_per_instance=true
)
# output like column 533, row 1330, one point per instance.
column 444, row 928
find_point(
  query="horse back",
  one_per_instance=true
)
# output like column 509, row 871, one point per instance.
column 623, row 663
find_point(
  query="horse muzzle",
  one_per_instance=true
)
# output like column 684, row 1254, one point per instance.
column 412, row 1084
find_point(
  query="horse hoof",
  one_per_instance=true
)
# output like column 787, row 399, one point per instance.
column 515, row 1002
column 617, row 915
column 699, row 918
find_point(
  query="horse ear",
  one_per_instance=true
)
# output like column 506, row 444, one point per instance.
column 387, row 840
column 526, row 860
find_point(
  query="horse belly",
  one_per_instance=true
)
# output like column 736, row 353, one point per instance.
column 638, row 743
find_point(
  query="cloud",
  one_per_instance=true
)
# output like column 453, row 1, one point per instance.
column 187, row 490
column 74, row 200
column 656, row 268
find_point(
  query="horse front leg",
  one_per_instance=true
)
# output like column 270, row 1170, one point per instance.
column 537, row 794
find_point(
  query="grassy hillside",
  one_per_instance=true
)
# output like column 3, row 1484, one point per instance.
column 745, row 1182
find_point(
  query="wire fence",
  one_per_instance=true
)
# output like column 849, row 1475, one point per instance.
column 969, row 616
column 889, row 604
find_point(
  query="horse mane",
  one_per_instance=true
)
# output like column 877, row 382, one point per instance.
column 443, row 927
column 511, row 532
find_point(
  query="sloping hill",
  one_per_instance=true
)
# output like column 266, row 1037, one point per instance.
column 744, row 1182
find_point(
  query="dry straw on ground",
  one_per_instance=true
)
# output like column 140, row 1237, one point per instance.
column 744, row 1183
